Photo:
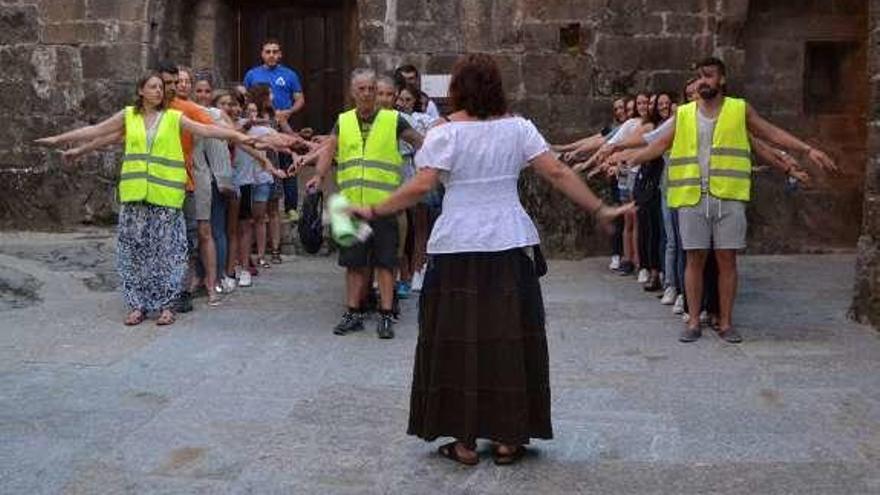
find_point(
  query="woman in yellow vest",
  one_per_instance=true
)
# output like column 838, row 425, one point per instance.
column 151, row 245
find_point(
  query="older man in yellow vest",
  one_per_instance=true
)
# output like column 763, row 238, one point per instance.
column 368, row 170
column 709, row 182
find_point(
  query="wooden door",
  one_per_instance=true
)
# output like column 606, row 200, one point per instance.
column 313, row 41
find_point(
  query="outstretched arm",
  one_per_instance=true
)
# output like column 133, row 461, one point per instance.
column 779, row 160
column 405, row 196
column 653, row 150
column 111, row 126
column 325, row 160
column 213, row 131
column 412, row 137
column 74, row 154
column 567, row 182
column 762, row 129
column 562, row 148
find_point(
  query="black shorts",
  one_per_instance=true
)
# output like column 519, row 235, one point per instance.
column 245, row 200
column 379, row 251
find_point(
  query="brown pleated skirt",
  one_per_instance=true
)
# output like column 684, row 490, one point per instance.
column 481, row 366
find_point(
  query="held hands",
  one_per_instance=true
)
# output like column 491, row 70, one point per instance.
column 315, row 182
column 606, row 215
column 822, row 160
column 794, row 170
column 801, row 176
column 605, row 151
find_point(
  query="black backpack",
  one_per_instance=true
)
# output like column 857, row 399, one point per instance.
column 311, row 223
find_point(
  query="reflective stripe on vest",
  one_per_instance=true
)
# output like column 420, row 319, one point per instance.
column 730, row 165
column 368, row 172
column 156, row 175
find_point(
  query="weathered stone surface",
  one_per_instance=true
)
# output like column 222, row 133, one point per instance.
column 119, row 61
column 18, row 24
column 62, row 10
column 128, row 10
column 80, row 32
column 16, row 63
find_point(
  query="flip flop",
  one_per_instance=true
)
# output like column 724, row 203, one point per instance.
column 448, row 451
column 130, row 322
column 163, row 320
column 507, row 459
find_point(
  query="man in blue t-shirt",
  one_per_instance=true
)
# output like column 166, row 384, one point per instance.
column 287, row 99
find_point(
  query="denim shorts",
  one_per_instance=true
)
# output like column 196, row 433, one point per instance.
column 261, row 192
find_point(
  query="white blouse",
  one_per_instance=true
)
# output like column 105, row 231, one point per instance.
column 480, row 163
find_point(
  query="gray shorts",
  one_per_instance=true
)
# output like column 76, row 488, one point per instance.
column 201, row 208
column 713, row 224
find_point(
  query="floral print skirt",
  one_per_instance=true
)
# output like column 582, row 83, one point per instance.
column 151, row 255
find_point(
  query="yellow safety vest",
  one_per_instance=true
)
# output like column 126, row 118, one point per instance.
column 367, row 173
column 730, row 163
column 156, row 175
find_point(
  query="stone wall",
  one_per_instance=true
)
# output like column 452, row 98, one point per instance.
column 67, row 63
column 866, row 301
column 73, row 61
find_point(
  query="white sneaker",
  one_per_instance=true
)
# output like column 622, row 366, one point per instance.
column 643, row 276
column 669, row 296
column 417, row 279
column 615, row 263
column 228, row 284
column 678, row 306
column 685, row 317
column 244, row 279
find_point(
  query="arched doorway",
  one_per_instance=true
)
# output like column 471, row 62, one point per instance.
column 319, row 41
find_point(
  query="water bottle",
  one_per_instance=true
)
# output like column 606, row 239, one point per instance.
column 791, row 185
column 345, row 229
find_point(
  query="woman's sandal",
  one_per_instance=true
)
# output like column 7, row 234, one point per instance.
column 448, row 451
column 510, row 458
column 214, row 298
column 166, row 318
column 276, row 257
column 136, row 317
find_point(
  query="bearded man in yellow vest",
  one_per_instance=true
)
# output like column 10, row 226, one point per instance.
column 709, row 183
column 364, row 144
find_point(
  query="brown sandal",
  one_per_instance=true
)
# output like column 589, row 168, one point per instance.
column 510, row 458
column 166, row 318
column 448, row 451
column 132, row 320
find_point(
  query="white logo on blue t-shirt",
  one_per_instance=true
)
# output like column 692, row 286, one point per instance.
column 279, row 81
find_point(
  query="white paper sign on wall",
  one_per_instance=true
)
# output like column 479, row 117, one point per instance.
column 436, row 85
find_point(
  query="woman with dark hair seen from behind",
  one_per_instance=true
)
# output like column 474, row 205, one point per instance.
column 481, row 366
column 151, row 244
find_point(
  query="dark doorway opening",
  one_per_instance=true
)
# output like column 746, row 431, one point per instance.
column 319, row 41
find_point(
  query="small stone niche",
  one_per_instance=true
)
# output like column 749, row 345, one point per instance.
column 826, row 65
column 570, row 38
